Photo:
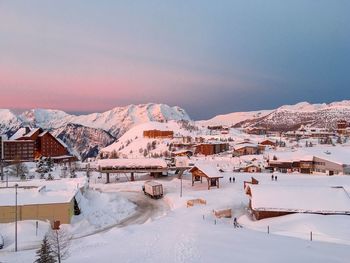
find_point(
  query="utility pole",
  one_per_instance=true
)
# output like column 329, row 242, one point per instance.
column 181, row 186
column 2, row 168
column 16, row 186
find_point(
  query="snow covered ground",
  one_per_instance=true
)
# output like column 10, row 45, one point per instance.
column 184, row 234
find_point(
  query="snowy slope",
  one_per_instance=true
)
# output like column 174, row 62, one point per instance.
column 133, row 144
column 8, row 121
column 287, row 117
column 234, row 118
column 313, row 115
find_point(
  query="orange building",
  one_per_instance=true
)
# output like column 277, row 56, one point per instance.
column 157, row 134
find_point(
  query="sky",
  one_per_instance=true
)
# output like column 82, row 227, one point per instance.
column 209, row 57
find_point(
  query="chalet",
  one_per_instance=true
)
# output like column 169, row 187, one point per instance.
column 251, row 168
column 276, row 200
column 215, row 127
column 157, row 134
column 246, row 149
column 325, row 160
column 341, row 126
column 211, row 148
column 303, row 164
column 183, row 152
column 307, row 132
column 256, row 130
column 210, row 173
column 268, row 143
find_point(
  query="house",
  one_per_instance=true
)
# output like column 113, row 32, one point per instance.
column 157, row 134
column 211, row 148
column 268, row 143
column 256, row 130
column 342, row 126
column 210, row 173
column 183, row 152
column 276, row 200
column 325, row 160
column 246, row 149
column 40, row 203
column 251, row 168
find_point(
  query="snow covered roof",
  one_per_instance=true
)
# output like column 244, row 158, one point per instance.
column 43, row 133
column 37, row 195
column 336, row 154
column 339, row 154
column 243, row 145
column 32, row 131
column 133, row 163
column 209, row 170
column 61, row 142
column 18, row 134
column 312, row 199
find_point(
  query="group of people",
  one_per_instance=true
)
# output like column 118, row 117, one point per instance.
column 232, row 179
column 274, row 177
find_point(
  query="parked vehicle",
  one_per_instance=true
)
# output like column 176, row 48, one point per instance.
column 1, row 241
column 153, row 189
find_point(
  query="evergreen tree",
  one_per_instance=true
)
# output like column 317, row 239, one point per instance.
column 44, row 253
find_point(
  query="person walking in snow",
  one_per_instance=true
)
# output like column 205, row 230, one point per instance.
column 235, row 224
column 272, row 177
column 233, row 179
column 275, row 177
column 230, row 179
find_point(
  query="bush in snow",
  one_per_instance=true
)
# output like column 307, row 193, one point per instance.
column 60, row 242
column 44, row 253
column 18, row 169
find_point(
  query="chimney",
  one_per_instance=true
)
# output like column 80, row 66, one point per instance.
column 27, row 130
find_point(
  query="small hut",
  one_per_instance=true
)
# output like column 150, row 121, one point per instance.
column 200, row 171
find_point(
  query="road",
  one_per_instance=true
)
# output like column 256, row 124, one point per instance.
column 146, row 209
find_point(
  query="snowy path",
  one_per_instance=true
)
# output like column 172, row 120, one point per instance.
column 146, row 209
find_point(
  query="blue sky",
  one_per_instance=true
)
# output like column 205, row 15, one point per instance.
column 210, row 57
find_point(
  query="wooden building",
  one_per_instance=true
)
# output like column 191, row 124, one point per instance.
column 252, row 168
column 158, row 134
column 211, row 148
column 342, row 126
column 276, row 200
column 200, row 171
column 246, row 149
column 268, row 143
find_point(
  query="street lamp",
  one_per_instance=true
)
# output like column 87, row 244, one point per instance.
column 16, row 186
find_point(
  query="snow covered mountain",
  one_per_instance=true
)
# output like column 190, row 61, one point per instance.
column 290, row 117
column 86, row 134
column 86, row 141
column 9, row 122
column 116, row 121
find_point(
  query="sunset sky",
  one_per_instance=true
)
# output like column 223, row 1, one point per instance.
column 209, row 57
